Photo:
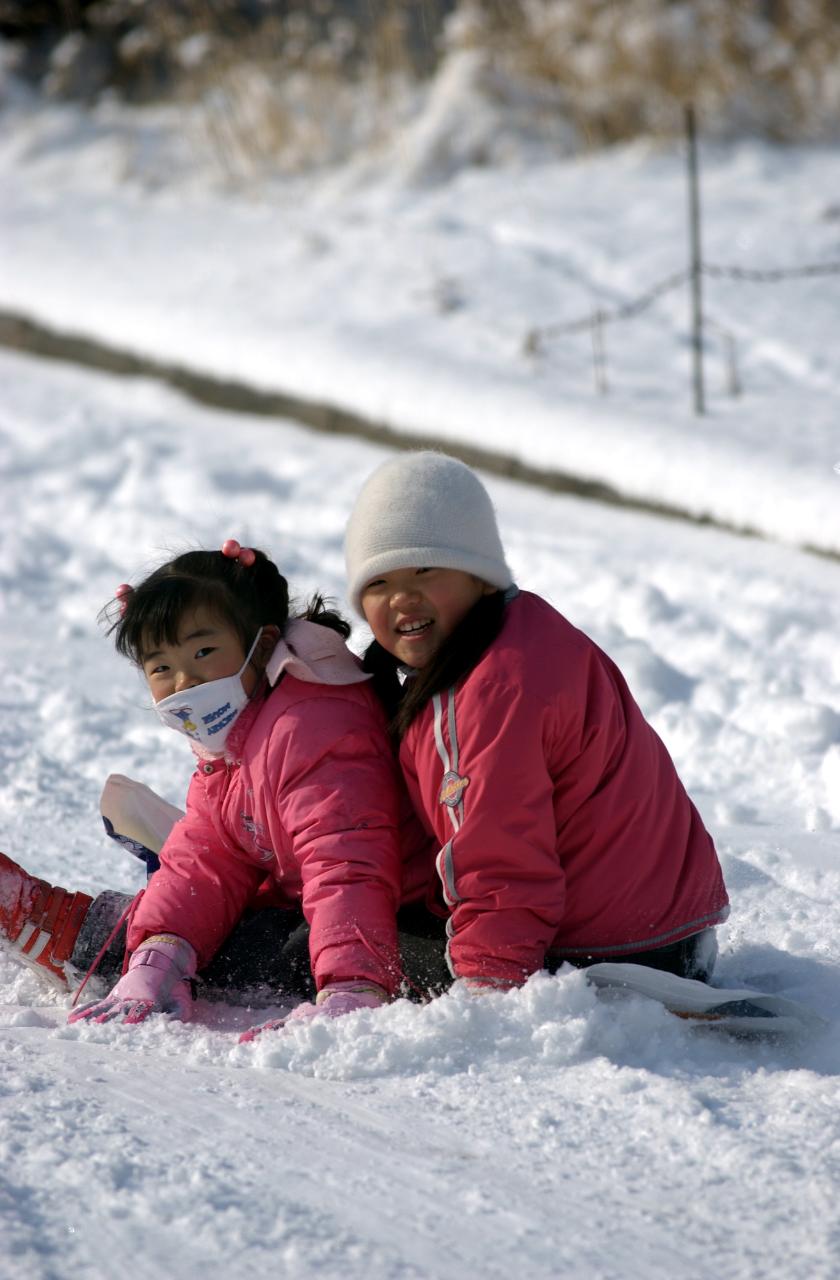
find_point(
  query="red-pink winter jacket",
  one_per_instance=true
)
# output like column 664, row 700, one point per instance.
column 560, row 819
column 308, row 795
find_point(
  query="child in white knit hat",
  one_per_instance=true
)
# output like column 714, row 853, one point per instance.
column 562, row 830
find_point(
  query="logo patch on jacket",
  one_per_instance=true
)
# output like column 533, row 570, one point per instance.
column 255, row 829
column 452, row 788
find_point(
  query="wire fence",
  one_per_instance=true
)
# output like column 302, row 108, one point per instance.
column 774, row 273
column 595, row 320
column 598, row 317
column 633, row 307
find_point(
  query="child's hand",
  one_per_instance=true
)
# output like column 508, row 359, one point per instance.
column 157, row 981
column 331, row 1002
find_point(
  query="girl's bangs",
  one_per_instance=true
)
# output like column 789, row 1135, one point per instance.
column 156, row 615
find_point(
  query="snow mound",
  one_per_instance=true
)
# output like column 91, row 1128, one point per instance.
column 555, row 1022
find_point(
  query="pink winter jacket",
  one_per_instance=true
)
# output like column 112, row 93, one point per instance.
column 308, row 795
column 560, row 819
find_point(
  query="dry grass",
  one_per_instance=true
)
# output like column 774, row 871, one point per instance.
column 615, row 69
column 626, row 67
column 311, row 80
column 299, row 90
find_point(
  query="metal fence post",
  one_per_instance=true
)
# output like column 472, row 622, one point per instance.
column 696, row 267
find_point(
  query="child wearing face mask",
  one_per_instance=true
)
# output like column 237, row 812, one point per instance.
column 556, row 827
column 561, row 828
column 295, row 795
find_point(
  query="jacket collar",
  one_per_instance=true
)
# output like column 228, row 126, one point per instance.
column 307, row 651
column 315, row 654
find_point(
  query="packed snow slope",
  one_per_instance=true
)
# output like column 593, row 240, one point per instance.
column 426, row 295
column 545, row 1133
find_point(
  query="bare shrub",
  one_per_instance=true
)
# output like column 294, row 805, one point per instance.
column 771, row 67
column 299, row 91
column 290, row 84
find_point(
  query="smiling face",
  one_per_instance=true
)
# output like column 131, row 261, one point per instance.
column 412, row 611
column 206, row 649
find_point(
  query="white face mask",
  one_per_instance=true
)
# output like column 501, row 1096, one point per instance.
column 208, row 712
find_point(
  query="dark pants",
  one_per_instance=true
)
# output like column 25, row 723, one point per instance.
column 270, row 948
column 692, row 957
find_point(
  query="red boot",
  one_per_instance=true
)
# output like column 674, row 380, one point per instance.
column 40, row 921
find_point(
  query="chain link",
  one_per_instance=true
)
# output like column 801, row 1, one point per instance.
column 601, row 315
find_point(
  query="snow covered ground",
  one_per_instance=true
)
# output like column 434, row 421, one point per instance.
column 546, row 1132
column 543, row 1133
column 409, row 298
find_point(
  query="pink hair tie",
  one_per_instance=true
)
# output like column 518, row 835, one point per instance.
column 245, row 555
column 122, row 594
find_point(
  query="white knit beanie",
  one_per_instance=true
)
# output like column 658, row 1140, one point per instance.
column 423, row 510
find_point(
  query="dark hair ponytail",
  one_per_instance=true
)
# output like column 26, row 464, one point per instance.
column 245, row 596
column 455, row 658
column 317, row 611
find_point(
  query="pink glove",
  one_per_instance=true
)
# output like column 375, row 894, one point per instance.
column 157, row 981
column 331, row 1002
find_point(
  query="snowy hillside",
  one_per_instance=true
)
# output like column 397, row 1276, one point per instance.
column 431, row 306
column 545, row 1133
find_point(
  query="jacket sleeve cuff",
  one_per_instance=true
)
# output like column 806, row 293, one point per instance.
column 353, row 961
column 492, row 970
